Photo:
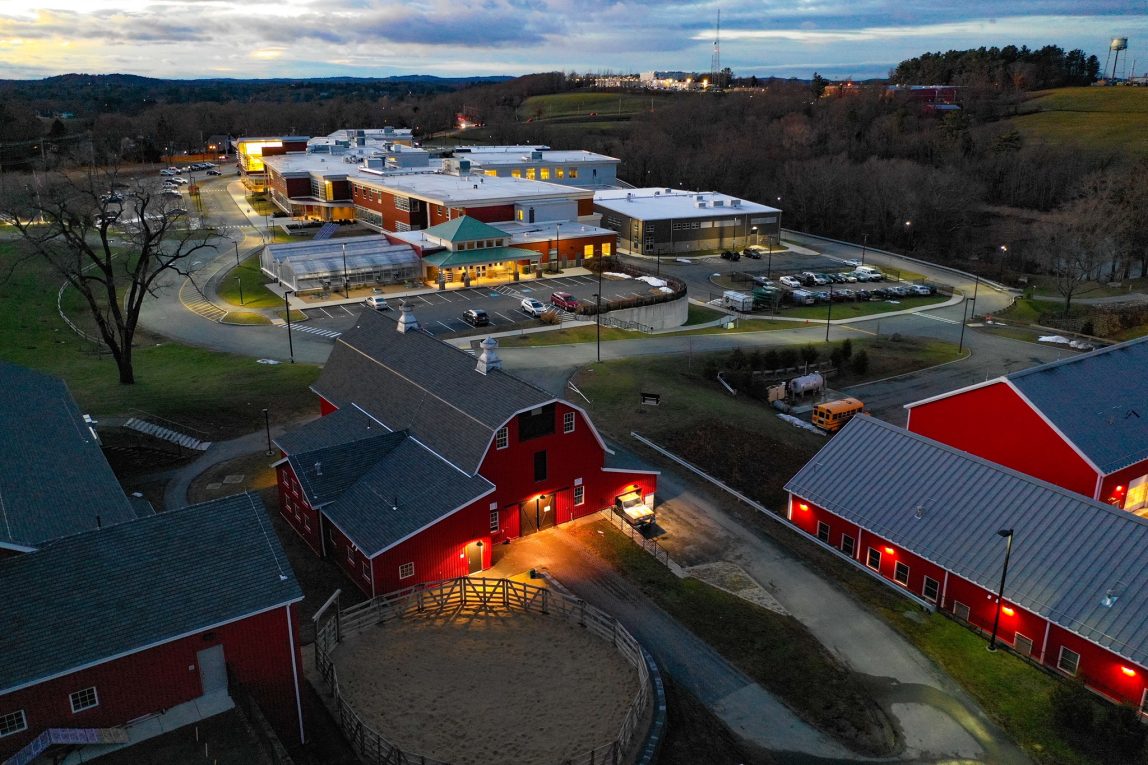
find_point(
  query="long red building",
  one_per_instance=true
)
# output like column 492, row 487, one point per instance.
column 1080, row 423
column 927, row 519
column 427, row 459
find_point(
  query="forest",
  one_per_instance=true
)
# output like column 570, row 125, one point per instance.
column 964, row 187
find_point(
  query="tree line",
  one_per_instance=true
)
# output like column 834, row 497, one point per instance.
column 1007, row 67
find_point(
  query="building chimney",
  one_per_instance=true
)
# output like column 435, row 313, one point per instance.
column 488, row 361
column 407, row 320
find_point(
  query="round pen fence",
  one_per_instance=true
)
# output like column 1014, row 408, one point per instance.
column 492, row 595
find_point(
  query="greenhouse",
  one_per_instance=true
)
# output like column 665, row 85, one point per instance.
column 366, row 261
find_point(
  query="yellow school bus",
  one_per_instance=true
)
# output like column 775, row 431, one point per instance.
column 833, row 414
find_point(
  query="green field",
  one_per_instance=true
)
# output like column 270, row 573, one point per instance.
column 600, row 104
column 1103, row 119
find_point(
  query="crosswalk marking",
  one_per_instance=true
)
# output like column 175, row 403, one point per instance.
column 937, row 318
column 329, row 333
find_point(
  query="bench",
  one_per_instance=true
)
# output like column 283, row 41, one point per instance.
column 653, row 399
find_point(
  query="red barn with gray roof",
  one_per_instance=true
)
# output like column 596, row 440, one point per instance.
column 428, row 459
column 924, row 517
column 1081, row 423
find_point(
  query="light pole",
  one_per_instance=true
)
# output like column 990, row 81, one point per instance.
column 1007, row 534
column 769, row 263
column 239, row 281
column 558, row 246
column 829, row 313
column 236, row 254
column 1004, row 255
column 598, row 312
column 346, row 279
column 909, row 233
column 864, row 246
column 976, row 287
column 267, row 426
column 290, row 342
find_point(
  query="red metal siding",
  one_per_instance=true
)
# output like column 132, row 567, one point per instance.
column 1098, row 668
column 438, row 552
column 993, row 422
column 1114, row 488
column 295, row 508
column 326, row 407
column 586, row 206
column 348, row 557
column 257, row 652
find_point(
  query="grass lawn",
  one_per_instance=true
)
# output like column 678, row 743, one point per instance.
column 1101, row 119
column 245, row 317
column 583, row 104
column 775, row 650
column 215, row 392
column 255, row 293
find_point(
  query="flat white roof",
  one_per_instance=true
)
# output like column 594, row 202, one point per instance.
column 656, row 203
column 483, row 158
column 335, row 164
column 522, row 233
column 455, row 189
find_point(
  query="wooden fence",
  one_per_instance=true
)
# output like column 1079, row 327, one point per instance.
column 452, row 595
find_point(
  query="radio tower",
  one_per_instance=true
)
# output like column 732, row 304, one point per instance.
column 715, row 60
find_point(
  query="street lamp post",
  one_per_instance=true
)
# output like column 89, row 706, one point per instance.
column 236, row 254
column 290, row 342
column 829, row 313
column 1004, row 256
column 346, row 279
column 909, row 233
column 769, row 263
column 239, row 281
column 598, row 312
column 1007, row 534
column 267, row 426
column 864, row 246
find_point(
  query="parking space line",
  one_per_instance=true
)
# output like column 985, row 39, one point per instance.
column 505, row 317
column 462, row 294
column 447, row 327
column 420, row 297
column 348, row 310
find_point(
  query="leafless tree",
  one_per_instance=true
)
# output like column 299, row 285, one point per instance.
column 109, row 239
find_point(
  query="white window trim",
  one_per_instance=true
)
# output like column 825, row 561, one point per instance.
column 350, row 554
column 1060, row 660
column 1017, row 637
column 568, row 420
column 501, row 435
column 579, row 496
column 494, row 520
column 23, row 722
column 828, row 531
column 869, row 557
column 925, row 586
column 366, row 569
column 896, row 567
column 852, row 545
column 957, row 607
column 410, row 567
column 95, row 699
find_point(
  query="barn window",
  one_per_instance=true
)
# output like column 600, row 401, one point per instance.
column 13, row 722
column 901, row 573
column 501, row 438
column 350, row 554
column 848, row 544
column 568, row 422
column 874, row 559
column 367, row 570
column 931, row 589
column 579, row 495
column 823, row 531
column 1069, row 661
column 84, row 699
column 494, row 520
column 536, row 423
column 540, row 466
column 406, row 571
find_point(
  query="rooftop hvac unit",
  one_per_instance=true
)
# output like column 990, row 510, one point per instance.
column 536, row 155
column 735, row 203
column 699, row 202
column 669, row 191
column 629, row 197
column 719, row 203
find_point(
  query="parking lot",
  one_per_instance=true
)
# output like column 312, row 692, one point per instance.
column 440, row 313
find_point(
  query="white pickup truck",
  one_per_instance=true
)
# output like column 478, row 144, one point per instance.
column 631, row 507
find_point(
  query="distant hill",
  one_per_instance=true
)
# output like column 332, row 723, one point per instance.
column 88, row 94
column 1107, row 120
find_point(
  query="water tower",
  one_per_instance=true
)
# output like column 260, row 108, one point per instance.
column 1118, row 44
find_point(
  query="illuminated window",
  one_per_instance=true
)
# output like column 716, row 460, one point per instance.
column 848, row 545
column 931, row 589
column 521, row 215
column 84, row 699
column 406, row 571
column 606, row 249
column 544, row 173
column 579, row 495
column 13, row 722
column 494, row 520
column 1137, row 497
column 530, row 173
column 493, row 173
column 515, row 173
column 874, row 559
column 588, row 251
column 1068, row 661
column 572, row 172
column 501, row 438
column 823, row 531
column 559, row 173
column 568, row 422
column 901, row 573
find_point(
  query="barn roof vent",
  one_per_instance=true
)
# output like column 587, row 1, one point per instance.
column 318, row 468
column 1111, row 595
column 489, row 360
column 407, row 320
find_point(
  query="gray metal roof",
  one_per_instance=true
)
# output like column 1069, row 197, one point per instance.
column 1068, row 550
column 1098, row 400
column 412, row 381
column 338, row 427
column 92, row 596
column 54, row 479
column 382, row 489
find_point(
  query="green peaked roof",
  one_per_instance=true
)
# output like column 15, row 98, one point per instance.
column 465, row 229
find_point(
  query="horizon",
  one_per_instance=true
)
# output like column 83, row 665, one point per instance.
column 299, row 39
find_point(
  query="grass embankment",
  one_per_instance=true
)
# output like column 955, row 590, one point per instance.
column 598, row 104
column 855, row 310
column 254, row 291
column 215, row 392
column 775, row 650
column 728, row 436
column 1095, row 119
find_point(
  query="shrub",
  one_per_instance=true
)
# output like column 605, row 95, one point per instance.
column 847, row 348
column 737, row 359
column 809, row 354
column 770, row 359
column 861, row 362
column 787, row 356
column 837, row 358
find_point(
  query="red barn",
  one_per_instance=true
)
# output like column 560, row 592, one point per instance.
column 428, row 458
column 1081, row 423
column 925, row 518
column 117, row 634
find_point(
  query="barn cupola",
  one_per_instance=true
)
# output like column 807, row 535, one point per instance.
column 489, row 360
column 407, row 320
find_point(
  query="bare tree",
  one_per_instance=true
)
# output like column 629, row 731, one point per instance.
column 108, row 239
column 1073, row 254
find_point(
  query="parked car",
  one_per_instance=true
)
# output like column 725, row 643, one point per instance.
column 111, row 196
column 565, row 301
column 897, row 291
column 790, row 281
column 762, row 281
column 751, row 253
column 821, row 296
column 844, row 294
column 213, row 171
column 167, row 171
column 172, row 193
column 476, row 317
column 863, row 294
column 852, row 262
column 180, row 181
column 923, row 289
column 532, row 307
column 730, row 255
column 377, row 302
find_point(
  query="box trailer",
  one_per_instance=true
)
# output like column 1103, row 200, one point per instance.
column 738, row 301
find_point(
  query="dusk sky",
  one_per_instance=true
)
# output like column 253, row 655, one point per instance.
column 313, row 38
